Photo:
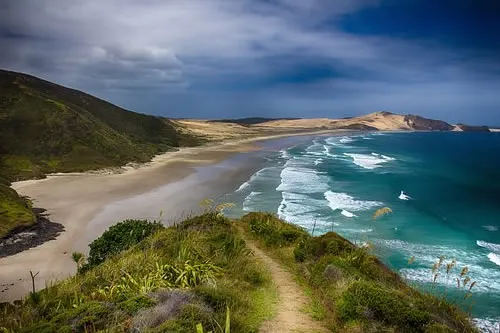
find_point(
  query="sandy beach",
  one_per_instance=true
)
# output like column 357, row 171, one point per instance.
column 86, row 204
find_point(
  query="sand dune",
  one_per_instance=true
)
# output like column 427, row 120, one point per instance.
column 382, row 121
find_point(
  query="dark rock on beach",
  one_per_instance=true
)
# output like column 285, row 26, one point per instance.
column 24, row 238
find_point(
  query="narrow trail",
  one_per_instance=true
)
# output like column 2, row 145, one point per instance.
column 290, row 316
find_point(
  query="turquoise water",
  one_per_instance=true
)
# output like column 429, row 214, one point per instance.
column 452, row 179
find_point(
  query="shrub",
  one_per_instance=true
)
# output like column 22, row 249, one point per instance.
column 120, row 237
column 272, row 230
column 316, row 247
column 386, row 305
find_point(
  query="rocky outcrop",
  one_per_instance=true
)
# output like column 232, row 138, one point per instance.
column 469, row 128
column 423, row 124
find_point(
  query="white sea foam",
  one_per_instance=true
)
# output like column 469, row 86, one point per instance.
column 318, row 161
column 303, row 210
column 249, row 200
column 488, row 279
column 346, row 139
column 344, row 201
column 355, row 231
column 301, row 180
column 490, row 227
column 243, row 186
column 494, row 258
column 403, row 196
column 347, row 213
column 369, row 161
column 253, row 178
column 284, row 154
column 487, row 325
column 490, row 246
column 333, row 141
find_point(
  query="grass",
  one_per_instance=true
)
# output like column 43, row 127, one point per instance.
column 350, row 289
column 171, row 281
column 15, row 211
column 185, row 278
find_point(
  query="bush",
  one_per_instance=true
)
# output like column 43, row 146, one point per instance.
column 120, row 237
column 386, row 305
column 272, row 230
column 329, row 243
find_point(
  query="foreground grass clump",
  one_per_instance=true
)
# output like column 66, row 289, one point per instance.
column 350, row 289
column 171, row 281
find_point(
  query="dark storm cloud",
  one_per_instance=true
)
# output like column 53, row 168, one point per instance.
column 218, row 58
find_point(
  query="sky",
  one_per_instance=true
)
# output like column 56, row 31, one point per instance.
column 269, row 58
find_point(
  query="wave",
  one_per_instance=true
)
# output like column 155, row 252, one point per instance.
column 369, row 161
column 284, row 154
column 487, row 325
column 494, row 258
column 318, row 161
column 332, row 141
column 344, row 201
column 490, row 227
column 426, row 255
column 347, row 213
column 248, row 201
column 356, row 231
column 490, row 246
column 302, row 180
column 303, row 210
column 346, row 139
column 243, row 186
column 252, row 178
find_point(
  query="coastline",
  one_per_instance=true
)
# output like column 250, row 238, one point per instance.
column 75, row 199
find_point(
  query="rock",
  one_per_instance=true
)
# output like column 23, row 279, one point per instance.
column 469, row 128
column 423, row 124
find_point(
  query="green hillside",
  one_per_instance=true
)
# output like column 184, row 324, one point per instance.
column 208, row 271
column 46, row 128
column 49, row 128
column 15, row 211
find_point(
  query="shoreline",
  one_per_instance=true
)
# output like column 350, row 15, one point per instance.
column 75, row 199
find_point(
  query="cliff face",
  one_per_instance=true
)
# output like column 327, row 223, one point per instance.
column 423, row 124
column 469, row 128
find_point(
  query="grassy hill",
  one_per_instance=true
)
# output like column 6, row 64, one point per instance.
column 15, row 211
column 49, row 128
column 46, row 128
column 202, row 273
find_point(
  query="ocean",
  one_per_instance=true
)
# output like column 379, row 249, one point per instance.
column 449, row 207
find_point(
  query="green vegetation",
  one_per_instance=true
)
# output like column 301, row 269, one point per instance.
column 46, row 128
column 199, row 276
column 351, row 289
column 49, row 128
column 177, row 279
column 120, row 237
column 15, row 211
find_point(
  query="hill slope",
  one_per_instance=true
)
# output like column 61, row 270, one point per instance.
column 208, row 269
column 49, row 128
column 383, row 121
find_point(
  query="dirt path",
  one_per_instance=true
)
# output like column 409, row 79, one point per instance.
column 290, row 316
